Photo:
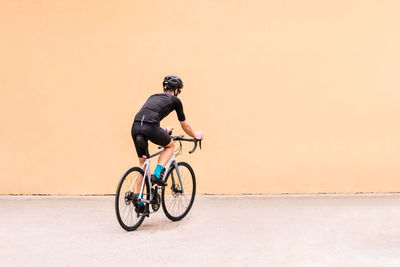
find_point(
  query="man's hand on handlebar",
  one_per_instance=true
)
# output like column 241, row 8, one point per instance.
column 198, row 135
column 169, row 130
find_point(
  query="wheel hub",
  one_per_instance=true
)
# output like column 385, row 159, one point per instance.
column 175, row 189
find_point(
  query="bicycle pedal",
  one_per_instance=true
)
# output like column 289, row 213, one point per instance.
column 157, row 181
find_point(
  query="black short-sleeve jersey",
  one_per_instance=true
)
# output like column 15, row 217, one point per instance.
column 158, row 106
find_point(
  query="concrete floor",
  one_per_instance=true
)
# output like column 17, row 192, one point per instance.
column 316, row 230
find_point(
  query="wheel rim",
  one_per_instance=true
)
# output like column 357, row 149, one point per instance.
column 128, row 198
column 176, row 202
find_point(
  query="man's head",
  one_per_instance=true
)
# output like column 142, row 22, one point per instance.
column 172, row 84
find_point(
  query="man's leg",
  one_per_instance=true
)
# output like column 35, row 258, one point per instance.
column 140, row 178
column 141, row 162
column 166, row 154
column 163, row 159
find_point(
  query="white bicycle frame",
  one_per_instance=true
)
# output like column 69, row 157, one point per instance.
column 146, row 169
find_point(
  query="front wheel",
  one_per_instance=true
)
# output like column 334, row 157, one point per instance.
column 177, row 198
column 130, row 214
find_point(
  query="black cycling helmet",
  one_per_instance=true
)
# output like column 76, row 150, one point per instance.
column 172, row 82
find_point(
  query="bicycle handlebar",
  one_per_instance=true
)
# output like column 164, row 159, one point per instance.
column 195, row 141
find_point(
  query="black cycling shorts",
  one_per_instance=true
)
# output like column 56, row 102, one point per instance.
column 149, row 131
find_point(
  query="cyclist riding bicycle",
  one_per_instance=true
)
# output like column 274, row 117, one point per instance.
column 146, row 125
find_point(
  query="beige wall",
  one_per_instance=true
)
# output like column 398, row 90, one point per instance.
column 293, row 96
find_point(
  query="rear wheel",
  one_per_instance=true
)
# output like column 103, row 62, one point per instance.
column 177, row 200
column 129, row 213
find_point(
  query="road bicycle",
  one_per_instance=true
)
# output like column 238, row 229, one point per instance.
column 135, row 192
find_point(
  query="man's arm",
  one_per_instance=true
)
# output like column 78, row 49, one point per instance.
column 186, row 127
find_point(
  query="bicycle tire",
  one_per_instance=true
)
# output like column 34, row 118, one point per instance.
column 167, row 207
column 119, row 202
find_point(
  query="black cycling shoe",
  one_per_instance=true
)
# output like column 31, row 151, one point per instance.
column 140, row 209
column 157, row 181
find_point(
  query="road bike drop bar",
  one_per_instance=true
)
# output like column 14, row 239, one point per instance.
column 195, row 141
column 180, row 138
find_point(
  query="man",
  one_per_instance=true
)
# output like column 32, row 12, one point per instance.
column 146, row 125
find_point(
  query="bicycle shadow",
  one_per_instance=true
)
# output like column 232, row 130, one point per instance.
column 161, row 223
